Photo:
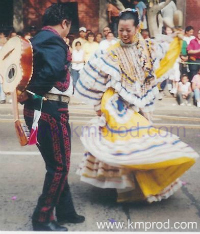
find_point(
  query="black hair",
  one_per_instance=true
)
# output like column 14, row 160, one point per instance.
column 164, row 28
column 90, row 34
column 127, row 15
column 78, row 42
column 56, row 13
column 188, row 28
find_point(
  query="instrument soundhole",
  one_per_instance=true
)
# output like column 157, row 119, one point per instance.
column 11, row 73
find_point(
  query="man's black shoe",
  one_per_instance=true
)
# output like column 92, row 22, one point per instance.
column 51, row 226
column 75, row 218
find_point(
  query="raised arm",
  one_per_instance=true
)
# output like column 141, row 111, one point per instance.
column 162, row 5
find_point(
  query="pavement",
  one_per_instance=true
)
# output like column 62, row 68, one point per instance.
column 22, row 174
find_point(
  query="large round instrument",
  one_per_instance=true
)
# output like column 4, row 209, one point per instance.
column 16, row 68
column 16, row 64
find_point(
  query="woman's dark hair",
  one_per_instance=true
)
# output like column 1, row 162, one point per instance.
column 89, row 35
column 164, row 28
column 127, row 15
column 188, row 28
column 78, row 42
column 55, row 14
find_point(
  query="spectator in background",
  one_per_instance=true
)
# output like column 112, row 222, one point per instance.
column 20, row 33
column 142, row 9
column 174, row 73
column 106, row 30
column 3, row 41
column 90, row 46
column 194, row 55
column 33, row 30
column 184, row 91
column 88, row 31
column 82, row 36
column 12, row 34
column 172, row 77
column 128, row 3
column 189, row 34
column 196, row 87
column 27, row 35
column 113, row 17
column 145, row 33
column 98, row 37
column 184, row 68
column 67, row 41
column 77, row 62
column 110, row 40
column 2, row 94
column 189, row 31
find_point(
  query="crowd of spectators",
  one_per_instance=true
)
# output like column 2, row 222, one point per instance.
column 183, row 79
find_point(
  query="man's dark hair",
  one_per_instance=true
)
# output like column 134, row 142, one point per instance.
column 127, row 15
column 188, row 28
column 55, row 14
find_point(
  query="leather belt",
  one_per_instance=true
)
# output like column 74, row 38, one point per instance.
column 57, row 98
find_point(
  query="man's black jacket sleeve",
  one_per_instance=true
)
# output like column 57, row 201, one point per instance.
column 49, row 62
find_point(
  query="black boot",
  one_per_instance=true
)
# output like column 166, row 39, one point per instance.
column 51, row 226
column 73, row 218
column 65, row 211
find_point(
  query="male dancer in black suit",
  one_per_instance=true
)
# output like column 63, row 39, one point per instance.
column 51, row 80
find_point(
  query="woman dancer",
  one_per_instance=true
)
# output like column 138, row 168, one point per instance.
column 123, row 149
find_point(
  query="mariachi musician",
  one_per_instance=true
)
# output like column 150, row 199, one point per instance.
column 51, row 80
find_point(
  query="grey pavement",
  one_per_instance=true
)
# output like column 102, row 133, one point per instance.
column 22, row 173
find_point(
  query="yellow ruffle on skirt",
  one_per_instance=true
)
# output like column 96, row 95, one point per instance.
column 169, row 59
column 124, row 151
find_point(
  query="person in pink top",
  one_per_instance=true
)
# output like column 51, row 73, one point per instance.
column 196, row 87
column 194, row 55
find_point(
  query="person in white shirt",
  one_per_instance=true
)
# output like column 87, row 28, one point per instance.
column 110, row 40
column 2, row 94
column 77, row 62
column 184, row 91
column 81, row 38
column 189, row 34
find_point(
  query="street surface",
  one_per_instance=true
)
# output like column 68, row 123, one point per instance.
column 22, row 173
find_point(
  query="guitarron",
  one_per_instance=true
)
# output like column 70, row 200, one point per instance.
column 16, row 68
